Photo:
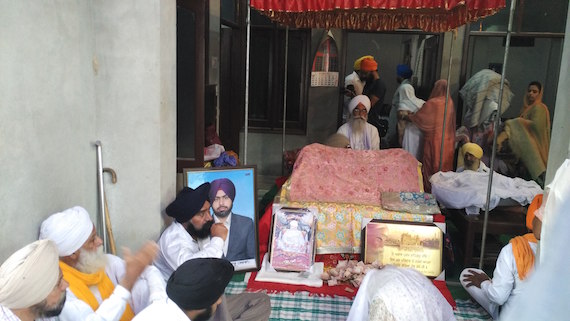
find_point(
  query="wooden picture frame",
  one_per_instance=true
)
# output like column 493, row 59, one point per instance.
column 242, row 244
column 404, row 244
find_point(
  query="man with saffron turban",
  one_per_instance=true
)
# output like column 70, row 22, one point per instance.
column 470, row 154
column 514, row 264
column 240, row 244
column 194, row 235
column 101, row 286
column 31, row 283
column 361, row 134
column 353, row 86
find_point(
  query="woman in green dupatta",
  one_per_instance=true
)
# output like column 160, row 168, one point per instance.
column 527, row 137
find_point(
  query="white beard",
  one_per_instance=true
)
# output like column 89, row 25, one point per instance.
column 358, row 126
column 91, row 261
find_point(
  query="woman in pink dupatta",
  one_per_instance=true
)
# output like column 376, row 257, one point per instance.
column 429, row 119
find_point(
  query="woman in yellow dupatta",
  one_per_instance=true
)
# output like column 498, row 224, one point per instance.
column 527, row 137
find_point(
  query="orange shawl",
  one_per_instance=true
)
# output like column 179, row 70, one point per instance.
column 79, row 284
column 524, row 257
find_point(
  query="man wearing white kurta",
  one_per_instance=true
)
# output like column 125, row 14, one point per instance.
column 194, row 235
column 361, row 134
column 194, row 290
column 514, row 264
column 31, row 285
column 102, row 287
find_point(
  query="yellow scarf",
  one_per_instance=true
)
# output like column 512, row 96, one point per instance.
column 524, row 257
column 79, row 284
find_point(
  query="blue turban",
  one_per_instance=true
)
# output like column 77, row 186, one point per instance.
column 223, row 184
column 404, row 71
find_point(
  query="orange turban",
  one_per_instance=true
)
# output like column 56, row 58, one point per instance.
column 368, row 65
column 534, row 205
column 358, row 61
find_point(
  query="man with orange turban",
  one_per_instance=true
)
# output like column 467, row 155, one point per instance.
column 353, row 86
column 514, row 264
column 375, row 88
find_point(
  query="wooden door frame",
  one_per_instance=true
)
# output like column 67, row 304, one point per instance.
column 200, row 9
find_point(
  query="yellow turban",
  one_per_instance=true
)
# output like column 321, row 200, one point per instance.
column 473, row 149
column 359, row 60
column 29, row 275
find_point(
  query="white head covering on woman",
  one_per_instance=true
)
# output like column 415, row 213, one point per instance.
column 68, row 229
column 29, row 275
column 408, row 100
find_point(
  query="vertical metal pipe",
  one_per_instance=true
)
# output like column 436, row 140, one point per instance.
column 495, row 131
column 102, row 220
column 246, row 105
column 446, row 99
column 284, row 100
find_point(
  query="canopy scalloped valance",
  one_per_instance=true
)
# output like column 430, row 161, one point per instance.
column 377, row 15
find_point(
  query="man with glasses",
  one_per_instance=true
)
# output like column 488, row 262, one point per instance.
column 361, row 134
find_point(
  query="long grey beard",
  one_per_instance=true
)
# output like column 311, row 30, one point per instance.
column 91, row 261
column 358, row 126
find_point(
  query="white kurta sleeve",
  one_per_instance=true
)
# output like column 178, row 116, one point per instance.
column 110, row 309
column 374, row 138
column 499, row 290
column 180, row 251
column 156, row 284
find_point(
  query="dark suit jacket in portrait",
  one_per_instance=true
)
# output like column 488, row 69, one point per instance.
column 241, row 243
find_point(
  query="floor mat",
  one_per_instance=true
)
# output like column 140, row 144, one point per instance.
column 303, row 306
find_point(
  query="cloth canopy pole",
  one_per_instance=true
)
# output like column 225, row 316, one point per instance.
column 284, row 101
column 246, row 104
column 102, row 218
column 446, row 98
column 495, row 131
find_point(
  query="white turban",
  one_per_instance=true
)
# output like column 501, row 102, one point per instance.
column 68, row 229
column 29, row 275
column 360, row 99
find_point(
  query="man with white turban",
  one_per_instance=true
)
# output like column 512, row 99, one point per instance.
column 194, row 235
column 361, row 134
column 102, row 287
column 470, row 154
column 31, row 284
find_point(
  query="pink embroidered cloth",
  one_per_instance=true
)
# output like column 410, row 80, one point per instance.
column 340, row 175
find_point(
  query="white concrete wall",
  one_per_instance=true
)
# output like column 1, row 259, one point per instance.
column 73, row 72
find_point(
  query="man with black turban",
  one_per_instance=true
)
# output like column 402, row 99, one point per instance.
column 194, row 235
column 194, row 291
column 240, row 244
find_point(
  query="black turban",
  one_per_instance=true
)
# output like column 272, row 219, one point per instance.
column 188, row 203
column 199, row 283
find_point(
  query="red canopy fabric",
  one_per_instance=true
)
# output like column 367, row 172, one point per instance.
column 377, row 15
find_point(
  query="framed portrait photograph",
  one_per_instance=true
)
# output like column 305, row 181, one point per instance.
column 293, row 239
column 404, row 244
column 233, row 195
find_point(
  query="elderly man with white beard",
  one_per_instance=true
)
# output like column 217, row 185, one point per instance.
column 361, row 134
column 102, row 287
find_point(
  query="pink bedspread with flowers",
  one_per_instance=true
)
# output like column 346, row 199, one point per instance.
column 340, row 175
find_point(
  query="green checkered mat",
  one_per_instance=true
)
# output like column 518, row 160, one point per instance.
column 302, row 306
